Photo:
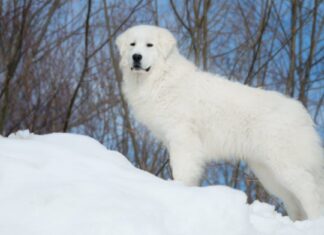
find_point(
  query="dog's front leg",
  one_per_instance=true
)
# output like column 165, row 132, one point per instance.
column 186, row 158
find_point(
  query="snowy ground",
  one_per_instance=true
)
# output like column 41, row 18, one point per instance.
column 70, row 184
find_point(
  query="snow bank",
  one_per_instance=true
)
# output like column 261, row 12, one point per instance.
column 71, row 184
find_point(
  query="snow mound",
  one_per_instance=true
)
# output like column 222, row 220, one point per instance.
column 71, row 184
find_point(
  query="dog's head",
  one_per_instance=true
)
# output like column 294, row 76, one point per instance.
column 143, row 47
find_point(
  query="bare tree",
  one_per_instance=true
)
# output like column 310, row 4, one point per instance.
column 84, row 69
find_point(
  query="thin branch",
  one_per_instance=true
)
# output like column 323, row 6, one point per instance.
column 84, row 70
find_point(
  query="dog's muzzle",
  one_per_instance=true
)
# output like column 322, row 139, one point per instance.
column 137, row 63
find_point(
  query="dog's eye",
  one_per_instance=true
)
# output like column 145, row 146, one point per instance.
column 133, row 44
column 149, row 44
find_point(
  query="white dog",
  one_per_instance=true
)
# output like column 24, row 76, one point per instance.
column 202, row 117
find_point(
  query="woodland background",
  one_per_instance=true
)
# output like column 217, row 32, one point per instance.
column 59, row 66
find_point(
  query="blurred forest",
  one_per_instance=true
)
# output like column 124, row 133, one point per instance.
column 59, row 66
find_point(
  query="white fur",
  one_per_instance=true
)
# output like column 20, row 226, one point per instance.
column 202, row 117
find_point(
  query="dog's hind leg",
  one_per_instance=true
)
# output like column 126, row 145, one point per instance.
column 275, row 187
column 294, row 159
column 301, row 185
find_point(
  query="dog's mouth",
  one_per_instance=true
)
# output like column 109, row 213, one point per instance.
column 137, row 67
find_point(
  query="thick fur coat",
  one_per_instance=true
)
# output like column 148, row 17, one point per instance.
column 203, row 117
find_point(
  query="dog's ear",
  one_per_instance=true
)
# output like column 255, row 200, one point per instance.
column 121, row 42
column 166, row 43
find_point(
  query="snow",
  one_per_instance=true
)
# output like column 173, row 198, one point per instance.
column 71, row 184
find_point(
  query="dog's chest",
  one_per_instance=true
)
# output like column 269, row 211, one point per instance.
column 149, row 105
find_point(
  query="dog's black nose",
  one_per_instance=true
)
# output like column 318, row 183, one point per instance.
column 137, row 57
